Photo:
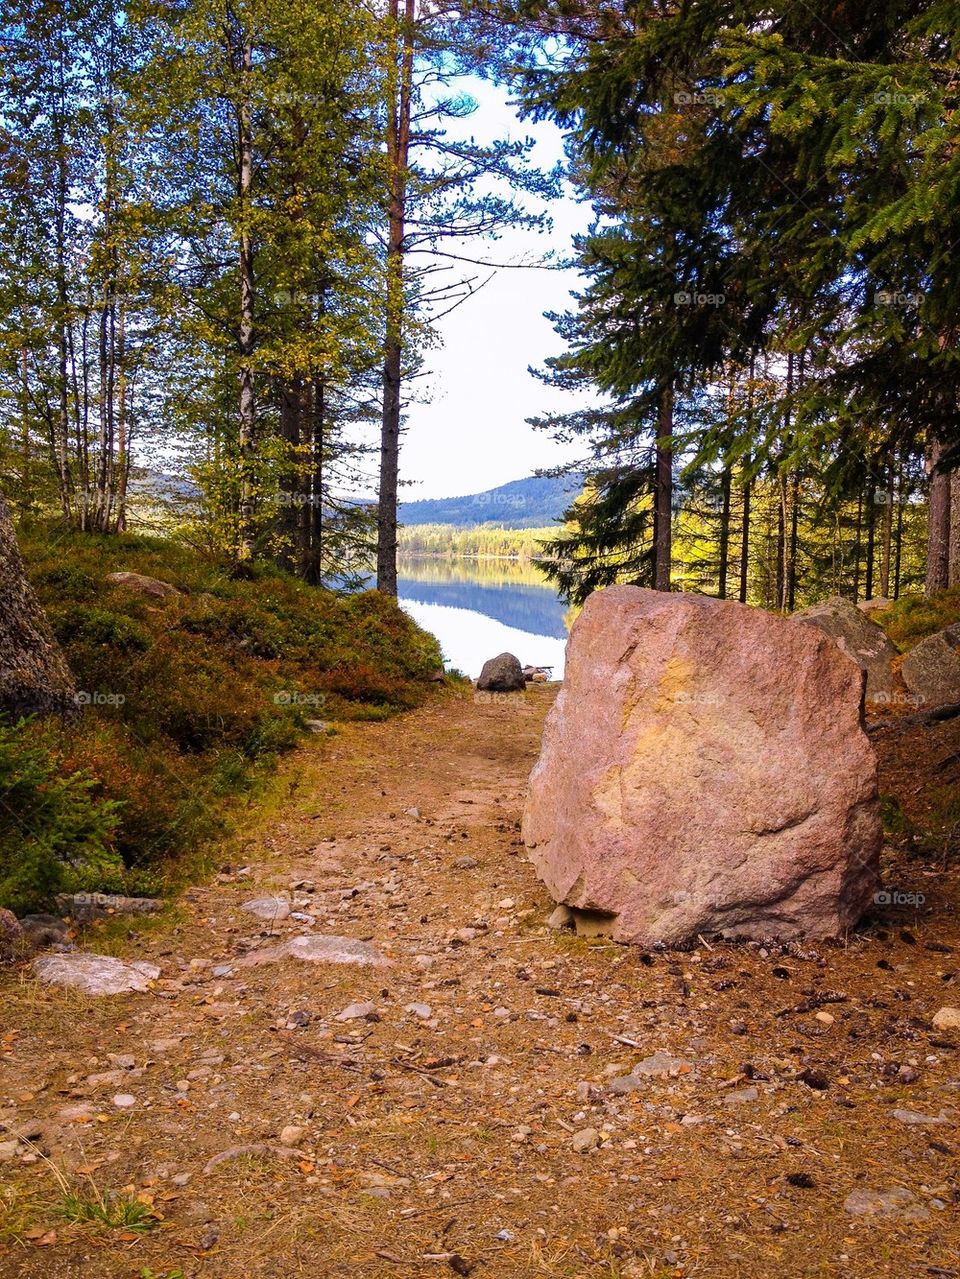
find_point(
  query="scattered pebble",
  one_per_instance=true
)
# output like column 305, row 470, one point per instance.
column 356, row 1012
column 584, row 1140
column 947, row 1019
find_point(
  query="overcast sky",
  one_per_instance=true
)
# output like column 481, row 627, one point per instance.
column 472, row 434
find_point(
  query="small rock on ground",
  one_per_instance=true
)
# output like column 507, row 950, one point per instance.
column 897, row 1202
column 319, row 949
column 267, row 907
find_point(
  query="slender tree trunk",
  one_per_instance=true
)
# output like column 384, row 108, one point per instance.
column 899, row 542
column 747, row 489
column 781, row 541
column 663, row 494
column 123, row 463
column 101, row 482
column 25, row 449
column 857, row 549
column 887, row 532
column 63, row 385
column 938, row 523
column 398, row 156
column 794, row 543
column 745, row 543
column 953, row 568
column 871, row 537
column 724, row 532
column 291, row 487
column 247, row 437
column 313, row 566
column 783, row 568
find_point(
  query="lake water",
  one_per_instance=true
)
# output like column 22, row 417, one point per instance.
column 479, row 608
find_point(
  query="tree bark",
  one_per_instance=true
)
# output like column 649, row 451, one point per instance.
column 871, row 537
column 745, row 544
column 794, row 542
column 898, row 561
column 887, row 533
column 724, row 532
column 34, row 679
column 398, row 155
column 858, row 546
column 663, row 494
column 123, row 450
column 953, row 567
column 247, row 440
column 938, row 523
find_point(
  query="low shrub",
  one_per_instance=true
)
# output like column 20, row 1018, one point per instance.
column 913, row 617
column 56, row 831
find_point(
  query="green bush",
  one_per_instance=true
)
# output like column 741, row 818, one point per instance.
column 55, row 833
column 914, row 617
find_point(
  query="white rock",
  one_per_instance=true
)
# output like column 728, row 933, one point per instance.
column 355, row 1012
column 124, row 1101
column 947, row 1019
column 291, row 1135
column 420, row 1010
column 268, row 907
column 319, row 949
column 917, row 1119
column 95, row 974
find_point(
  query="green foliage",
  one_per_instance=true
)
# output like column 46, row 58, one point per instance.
column 185, row 704
column 914, row 617
column 776, row 243
column 55, row 830
column 85, row 1206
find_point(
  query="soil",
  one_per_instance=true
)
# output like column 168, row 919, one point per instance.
column 454, row 1137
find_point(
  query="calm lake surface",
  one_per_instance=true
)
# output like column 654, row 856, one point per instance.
column 479, row 608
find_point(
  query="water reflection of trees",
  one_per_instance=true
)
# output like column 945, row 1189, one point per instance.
column 511, row 593
column 489, row 572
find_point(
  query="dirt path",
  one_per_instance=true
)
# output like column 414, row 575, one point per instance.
column 477, row 1120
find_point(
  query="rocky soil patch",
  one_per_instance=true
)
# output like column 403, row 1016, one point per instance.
column 470, row 1116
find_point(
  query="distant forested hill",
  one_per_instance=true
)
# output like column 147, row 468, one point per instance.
column 530, row 503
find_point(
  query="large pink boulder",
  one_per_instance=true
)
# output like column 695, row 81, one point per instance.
column 704, row 770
